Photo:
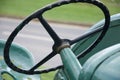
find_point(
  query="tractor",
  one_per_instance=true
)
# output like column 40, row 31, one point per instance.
column 93, row 56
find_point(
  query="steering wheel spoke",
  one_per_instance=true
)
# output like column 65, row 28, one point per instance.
column 49, row 29
column 52, row 54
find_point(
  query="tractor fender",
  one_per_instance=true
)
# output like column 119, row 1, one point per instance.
column 104, row 65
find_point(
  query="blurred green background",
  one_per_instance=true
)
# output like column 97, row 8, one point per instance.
column 80, row 13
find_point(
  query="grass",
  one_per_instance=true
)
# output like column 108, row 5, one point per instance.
column 74, row 13
column 21, row 7
column 48, row 76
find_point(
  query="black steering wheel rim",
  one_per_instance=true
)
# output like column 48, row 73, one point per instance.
column 54, row 36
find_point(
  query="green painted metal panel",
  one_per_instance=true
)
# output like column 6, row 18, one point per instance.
column 22, row 58
column 109, row 69
column 104, row 65
column 60, row 75
column 111, row 38
column 72, row 67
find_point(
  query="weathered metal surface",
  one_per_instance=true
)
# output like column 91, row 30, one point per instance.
column 104, row 65
column 72, row 67
column 22, row 58
column 111, row 38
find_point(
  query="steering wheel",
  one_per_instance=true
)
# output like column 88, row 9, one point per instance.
column 59, row 43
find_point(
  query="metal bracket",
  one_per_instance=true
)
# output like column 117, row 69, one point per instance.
column 64, row 44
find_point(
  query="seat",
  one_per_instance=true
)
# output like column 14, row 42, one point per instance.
column 20, row 57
